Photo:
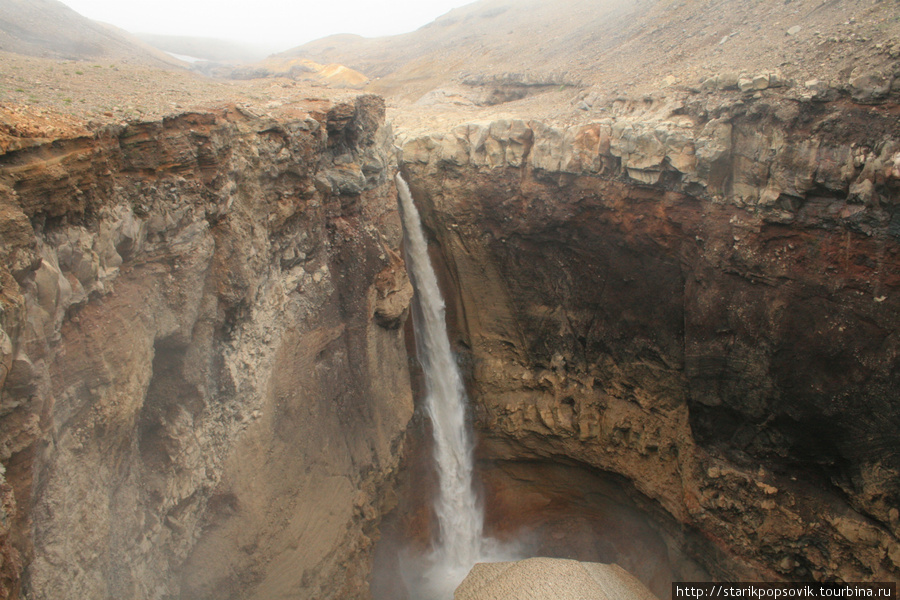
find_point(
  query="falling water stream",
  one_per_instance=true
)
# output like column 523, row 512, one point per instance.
column 460, row 517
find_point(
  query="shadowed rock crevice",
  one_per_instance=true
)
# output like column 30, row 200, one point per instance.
column 166, row 421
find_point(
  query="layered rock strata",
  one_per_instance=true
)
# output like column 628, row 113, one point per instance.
column 699, row 295
column 204, row 382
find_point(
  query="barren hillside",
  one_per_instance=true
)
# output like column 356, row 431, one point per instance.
column 50, row 29
column 627, row 45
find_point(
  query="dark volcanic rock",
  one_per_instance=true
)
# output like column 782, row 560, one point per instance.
column 698, row 304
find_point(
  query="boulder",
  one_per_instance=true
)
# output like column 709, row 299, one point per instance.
column 550, row 579
column 727, row 81
column 869, row 87
column 820, row 91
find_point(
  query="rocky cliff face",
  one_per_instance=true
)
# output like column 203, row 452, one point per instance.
column 204, row 381
column 688, row 306
column 699, row 295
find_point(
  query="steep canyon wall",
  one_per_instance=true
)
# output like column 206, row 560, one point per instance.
column 697, row 297
column 688, row 305
column 204, row 381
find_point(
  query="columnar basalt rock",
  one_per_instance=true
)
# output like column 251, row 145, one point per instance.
column 762, row 153
column 204, row 381
column 701, row 298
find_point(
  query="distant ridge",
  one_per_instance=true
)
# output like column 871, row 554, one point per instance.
column 532, row 38
column 50, row 29
column 514, row 47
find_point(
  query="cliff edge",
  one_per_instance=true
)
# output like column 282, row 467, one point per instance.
column 204, row 381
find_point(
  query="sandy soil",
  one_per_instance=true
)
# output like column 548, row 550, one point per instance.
column 51, row 98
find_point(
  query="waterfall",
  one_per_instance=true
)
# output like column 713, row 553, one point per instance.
column 460, row 518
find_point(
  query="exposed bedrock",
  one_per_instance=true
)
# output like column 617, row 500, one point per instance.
column 686, row 311
column 702, row 299
column 204, row 380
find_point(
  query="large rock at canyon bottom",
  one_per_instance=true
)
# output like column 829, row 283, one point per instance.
column 550, row 579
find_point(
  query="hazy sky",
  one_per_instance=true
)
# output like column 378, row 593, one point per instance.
column 282, row 23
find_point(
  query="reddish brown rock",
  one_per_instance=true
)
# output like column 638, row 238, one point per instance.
column 694, row 301
column 204, row 382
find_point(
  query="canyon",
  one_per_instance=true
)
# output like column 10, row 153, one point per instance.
column 694, row 297
column 674, row 307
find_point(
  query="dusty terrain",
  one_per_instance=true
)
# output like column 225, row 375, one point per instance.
column 633, row 46
column 480, row 62
column 49, row 98
column 50, row 29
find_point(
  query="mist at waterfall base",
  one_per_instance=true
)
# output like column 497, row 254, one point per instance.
column 461, row 541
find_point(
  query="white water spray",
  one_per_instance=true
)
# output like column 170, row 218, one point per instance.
column 460, row 517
